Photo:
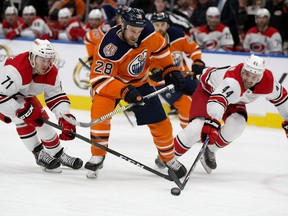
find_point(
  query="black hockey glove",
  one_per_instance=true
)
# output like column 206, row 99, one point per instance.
column 130, row 94
column 197, row 67
column 285, row 127
column 155, row 75
column 172, row 75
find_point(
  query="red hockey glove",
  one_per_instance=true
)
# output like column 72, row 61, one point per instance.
column 285, row 127
column 211, row 129
column 77, row 33
column 130, row 94
column 172, row 75
column 5, row 119
column 30, row 115
column 11, row 35
column 197, row 67
column 68, row 129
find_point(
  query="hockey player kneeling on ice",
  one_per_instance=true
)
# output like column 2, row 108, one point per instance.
column 22, row 78
column 223, row 95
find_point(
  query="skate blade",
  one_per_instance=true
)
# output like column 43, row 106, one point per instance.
column 92, row 174
column 56, row 170
column 207, row 169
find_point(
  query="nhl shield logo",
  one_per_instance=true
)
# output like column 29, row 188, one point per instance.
column 110, row 50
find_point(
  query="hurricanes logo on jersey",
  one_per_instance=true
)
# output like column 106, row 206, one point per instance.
column 138, row 64
column 177, row 59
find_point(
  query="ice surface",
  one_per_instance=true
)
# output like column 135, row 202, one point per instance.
column 251, row 178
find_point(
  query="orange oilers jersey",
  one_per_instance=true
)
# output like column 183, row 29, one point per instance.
column 180, row 45
column 116, row 63
column 94, row 36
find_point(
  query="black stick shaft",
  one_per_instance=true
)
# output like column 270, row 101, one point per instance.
column 124, row 157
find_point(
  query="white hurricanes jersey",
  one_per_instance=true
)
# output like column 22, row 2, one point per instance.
column 218, row 40
column 225, row 87
column 37, row 29
column 266, row 42
column 17, row 83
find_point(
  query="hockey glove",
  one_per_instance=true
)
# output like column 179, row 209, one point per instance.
column 172, row 75
column 5, row 119
column 285, row 127
column 68, row 129
column 155, row 75
column 197, row 67
column 130, row 94
column 12, row 34
column 211, row 129
column 30, row 115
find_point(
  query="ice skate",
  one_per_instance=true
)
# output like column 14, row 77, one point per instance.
column 93, row 166
column 208, row 160
column 159, row 163
column 46, row 161
column 69, row 161
column 179, row 169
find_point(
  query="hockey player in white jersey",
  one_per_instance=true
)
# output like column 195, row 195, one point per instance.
column 222, row 95
column 22, row 78
column 263, row 38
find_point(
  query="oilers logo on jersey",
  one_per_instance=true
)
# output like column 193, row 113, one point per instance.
column 137, row 64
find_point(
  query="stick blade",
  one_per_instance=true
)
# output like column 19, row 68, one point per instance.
column 174, row 177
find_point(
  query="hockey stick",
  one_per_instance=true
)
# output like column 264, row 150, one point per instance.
column 84, row 64
column 124, row 157
column 173, row 175
column 126, row 115
column 89, row 68
column 114, row 112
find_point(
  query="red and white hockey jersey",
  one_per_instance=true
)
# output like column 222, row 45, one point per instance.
column 218, row 40
column 17, row 83
column 226, row 87
column 266, row 42
column 37, row 29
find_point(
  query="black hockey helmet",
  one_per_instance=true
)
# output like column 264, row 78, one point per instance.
column 134, row 17
column 120, row 10
column 160, row 17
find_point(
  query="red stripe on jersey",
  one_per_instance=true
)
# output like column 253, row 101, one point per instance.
column 282, row 97
column 218, row 99
column 53, row 102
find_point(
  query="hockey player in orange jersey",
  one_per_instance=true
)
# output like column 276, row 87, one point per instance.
column 179, row 44
column 120, row 71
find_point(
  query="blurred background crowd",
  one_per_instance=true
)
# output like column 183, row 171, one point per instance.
column 258, row 26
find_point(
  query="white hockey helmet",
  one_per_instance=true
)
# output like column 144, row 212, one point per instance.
column 212, row 11
column 64, row 12
column 95, row 14
column 29, row 10
column 262, row 12
column 42, row 48
column 254, row 64
column 11, row 10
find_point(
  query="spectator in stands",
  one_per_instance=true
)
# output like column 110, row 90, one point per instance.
column 108, row 8
column 229, row 12
column 174, row 19
column 279, row 17
column 251, row 12
column 77, row 8
column 145, row 5
column 198, row 17
column 185, row 7
column 215, row 35
column 12, row 24
column 35, row 27
column 262, row 38
column 70, row 28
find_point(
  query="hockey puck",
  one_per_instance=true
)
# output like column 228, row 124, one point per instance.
column 175, row 191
